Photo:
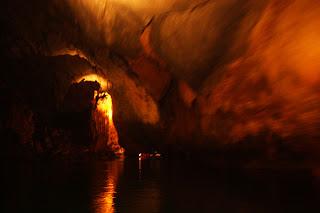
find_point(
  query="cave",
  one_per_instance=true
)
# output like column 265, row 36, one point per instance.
column 134, row 101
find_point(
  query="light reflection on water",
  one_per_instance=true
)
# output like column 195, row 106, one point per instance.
column 130, row 185
column 104, row 201
column 144, row 191
column 162, row 186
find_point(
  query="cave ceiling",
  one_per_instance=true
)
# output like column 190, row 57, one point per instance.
column 240, row 66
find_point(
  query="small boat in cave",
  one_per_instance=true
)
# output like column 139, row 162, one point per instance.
column 144, row 156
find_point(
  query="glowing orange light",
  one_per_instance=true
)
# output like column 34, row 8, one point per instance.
column 103, row 116
column 105, row 201
column 104, row 106
column 105, row 85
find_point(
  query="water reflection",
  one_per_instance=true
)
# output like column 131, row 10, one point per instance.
column 139, row 188
column 106, row 179
column 122, row 186
column 155, row 186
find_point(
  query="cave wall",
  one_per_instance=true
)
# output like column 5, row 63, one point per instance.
column 200, row 73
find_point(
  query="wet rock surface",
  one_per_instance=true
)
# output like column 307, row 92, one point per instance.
column 227, row 77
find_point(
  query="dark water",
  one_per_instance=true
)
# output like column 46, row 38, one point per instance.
column 154, row 186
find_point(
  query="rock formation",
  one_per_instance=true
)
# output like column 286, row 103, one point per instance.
column 213, row 76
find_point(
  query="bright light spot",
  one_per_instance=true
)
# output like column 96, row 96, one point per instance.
column 104, row 106
column 105, row 85
column 103, row 116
